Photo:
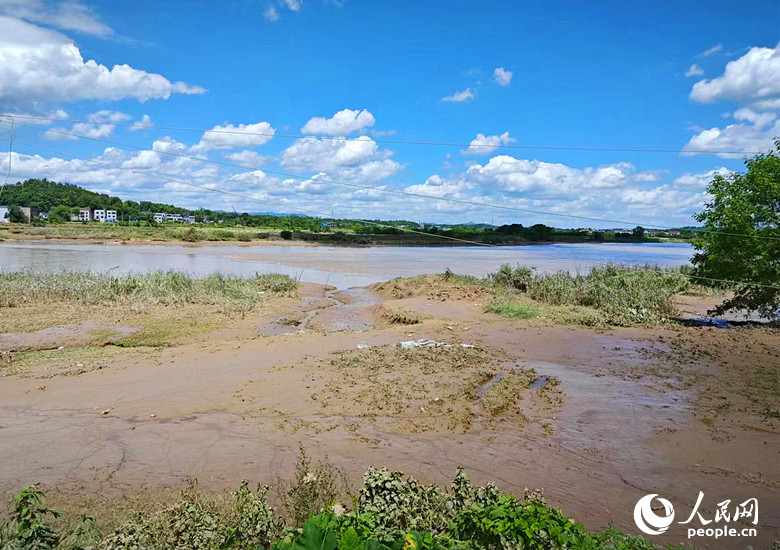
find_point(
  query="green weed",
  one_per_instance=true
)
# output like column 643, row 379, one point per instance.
column 511, row 309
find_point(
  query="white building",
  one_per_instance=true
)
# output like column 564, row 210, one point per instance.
column 85, row 214
column 110, row 215
column 159, row 217
column 99, row 215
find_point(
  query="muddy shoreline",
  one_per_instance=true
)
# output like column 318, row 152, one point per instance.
column 640, row 410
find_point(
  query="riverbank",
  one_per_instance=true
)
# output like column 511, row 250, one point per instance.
column 596, row 416
column 206, row 235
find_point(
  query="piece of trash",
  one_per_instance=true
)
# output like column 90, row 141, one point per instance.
column 422, row 343
column 79, row 364
column 61, row 347
column 467, row 346
column 105, row 412
column 709, row 322
column 363, row 346
column 152, row 415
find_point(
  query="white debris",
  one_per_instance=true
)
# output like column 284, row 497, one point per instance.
column 467, row 346
column 363, row 346
column 423, row 343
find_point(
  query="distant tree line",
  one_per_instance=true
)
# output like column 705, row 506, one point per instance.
column 62, row 200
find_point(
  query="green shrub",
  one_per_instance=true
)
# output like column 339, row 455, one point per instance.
column 27, row 527
column 518, row 277
column 509, row 523
column 624, row 294
column 391, row 513
column 191, row 235
column 314, row 488
column 221, row 235
column 257, row 523
column 286, row 235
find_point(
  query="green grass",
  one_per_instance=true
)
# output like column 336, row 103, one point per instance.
column 510, row 309
column 109, row 231
column 19, row 288
column 623, row 295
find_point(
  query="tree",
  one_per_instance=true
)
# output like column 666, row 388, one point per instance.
column 638, row 233
column 59, row 214
column 15, row 215
column 741, row 241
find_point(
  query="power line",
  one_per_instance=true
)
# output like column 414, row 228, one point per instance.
column 400, row 142
column 397, row 191
column 320, row 214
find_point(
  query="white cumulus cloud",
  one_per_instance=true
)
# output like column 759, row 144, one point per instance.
column 359, row 159
column 342, row 123
column 101, row 125
column 502, row 77
column 752, row 81
column 484, row 145
column 40, row 66
column 701, row 180
column 235, row 136
column 734, row 141
column 144, row 124
column 247, row 158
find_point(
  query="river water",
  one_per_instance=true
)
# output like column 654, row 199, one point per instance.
column 339, row 266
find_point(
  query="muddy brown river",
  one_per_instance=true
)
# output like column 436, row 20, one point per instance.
column 338, row 266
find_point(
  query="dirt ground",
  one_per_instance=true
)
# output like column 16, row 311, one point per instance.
column 595, row 417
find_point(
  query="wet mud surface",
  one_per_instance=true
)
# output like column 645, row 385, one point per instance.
column 596, row 418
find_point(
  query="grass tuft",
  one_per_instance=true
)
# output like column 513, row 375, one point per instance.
column 510, row 309
column 19, row 288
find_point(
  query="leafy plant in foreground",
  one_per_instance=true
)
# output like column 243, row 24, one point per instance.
column 27, row 529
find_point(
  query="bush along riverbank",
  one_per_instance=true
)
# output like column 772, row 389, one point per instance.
column 388, row 512
column 622, row 295
column 609, row 295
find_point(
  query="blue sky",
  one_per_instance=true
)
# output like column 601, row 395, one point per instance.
column 681, row 76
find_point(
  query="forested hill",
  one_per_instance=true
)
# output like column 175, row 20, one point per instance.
column 46, row 195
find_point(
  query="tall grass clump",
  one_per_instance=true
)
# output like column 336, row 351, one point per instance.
column 18, row 288
column 511, row 309
column 625, row 295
